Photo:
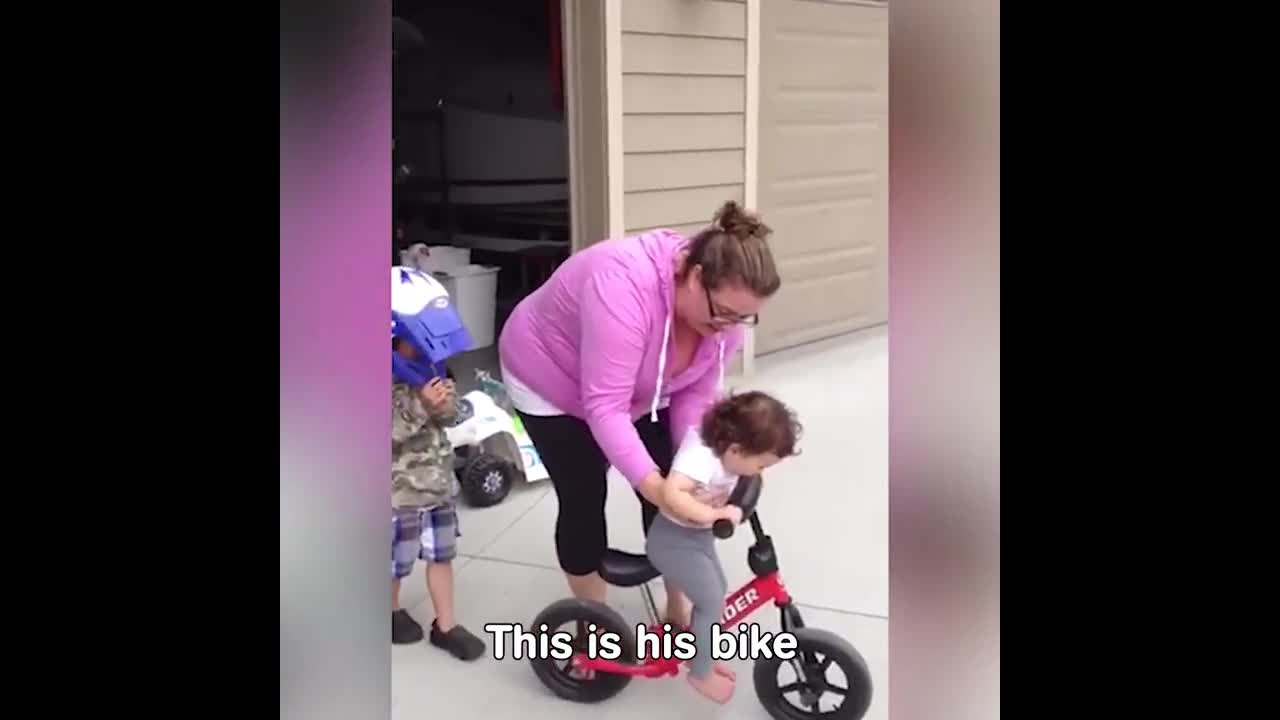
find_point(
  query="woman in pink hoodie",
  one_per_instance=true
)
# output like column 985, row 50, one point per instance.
column 617, row 355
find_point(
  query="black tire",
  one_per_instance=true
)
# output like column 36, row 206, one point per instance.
column 503, row 445
column 486, row 480
column 579, row 615
column 818, row 649
column 462, row 455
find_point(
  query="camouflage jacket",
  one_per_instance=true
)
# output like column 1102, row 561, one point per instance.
column 421, row 456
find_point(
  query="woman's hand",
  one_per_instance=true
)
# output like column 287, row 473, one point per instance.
column 651, row 489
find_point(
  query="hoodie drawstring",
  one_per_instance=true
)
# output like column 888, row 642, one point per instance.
column 720, row 386
column 662, row 370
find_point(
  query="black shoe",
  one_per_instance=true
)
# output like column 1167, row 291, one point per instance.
column 458, row 641
column 404, row 629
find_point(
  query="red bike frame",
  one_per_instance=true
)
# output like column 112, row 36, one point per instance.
column 738, row 607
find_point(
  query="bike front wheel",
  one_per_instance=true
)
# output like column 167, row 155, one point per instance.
column 835, row 683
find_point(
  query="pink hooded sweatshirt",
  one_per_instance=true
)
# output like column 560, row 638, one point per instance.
column 594, row 341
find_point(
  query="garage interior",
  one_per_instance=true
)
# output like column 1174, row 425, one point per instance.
column 480, row 153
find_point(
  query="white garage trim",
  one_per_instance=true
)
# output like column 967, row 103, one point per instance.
column 613, row 101
column 752, row 165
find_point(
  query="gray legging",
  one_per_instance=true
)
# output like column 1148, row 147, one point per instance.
column 687, row 559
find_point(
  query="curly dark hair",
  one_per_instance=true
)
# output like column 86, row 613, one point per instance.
column 757, row 422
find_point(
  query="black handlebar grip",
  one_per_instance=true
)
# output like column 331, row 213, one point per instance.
column 722, row 529
column 745, row 495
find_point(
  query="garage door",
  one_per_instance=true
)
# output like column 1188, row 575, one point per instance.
column 823, row 167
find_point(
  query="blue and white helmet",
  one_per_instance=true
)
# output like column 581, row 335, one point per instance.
column 423, row 316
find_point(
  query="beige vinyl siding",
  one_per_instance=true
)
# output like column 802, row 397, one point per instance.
column 682, row 169
column 678, row 55
column 691, row 18
column 687, row 229
column 682, row 206
column 682, row 94
column 665, row 133
column 683, row 103
column 684, row 99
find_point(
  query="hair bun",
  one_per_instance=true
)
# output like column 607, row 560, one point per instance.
column 734, row 220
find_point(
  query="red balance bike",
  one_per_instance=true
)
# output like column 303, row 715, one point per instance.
column 804, row 686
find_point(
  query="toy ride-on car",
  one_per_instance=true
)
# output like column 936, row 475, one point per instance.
column 808, row 691
column 491, row 450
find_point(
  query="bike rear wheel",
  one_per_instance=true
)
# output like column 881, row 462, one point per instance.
column 575, row 617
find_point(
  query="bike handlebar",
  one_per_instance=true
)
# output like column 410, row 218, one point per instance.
column 744, row 496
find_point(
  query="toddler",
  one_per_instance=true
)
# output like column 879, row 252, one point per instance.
column 424, row 520
column 740, row 435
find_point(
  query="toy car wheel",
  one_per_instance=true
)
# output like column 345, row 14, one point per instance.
column 836, row 683
column 575, row 617
column 462, row 455
column 486, row 480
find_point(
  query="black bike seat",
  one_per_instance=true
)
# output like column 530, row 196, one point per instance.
column 624, row 569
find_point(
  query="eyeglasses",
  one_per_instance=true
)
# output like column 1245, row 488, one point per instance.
column 719, row 317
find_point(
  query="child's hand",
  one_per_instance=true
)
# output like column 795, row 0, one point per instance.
column 732, row 513
column 437, row 394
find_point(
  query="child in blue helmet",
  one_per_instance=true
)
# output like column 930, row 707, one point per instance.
column 425, row 331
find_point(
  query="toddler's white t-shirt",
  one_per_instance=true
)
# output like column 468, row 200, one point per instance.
column 712, row 483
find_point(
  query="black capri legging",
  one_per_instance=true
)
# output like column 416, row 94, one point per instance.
column 577, row 467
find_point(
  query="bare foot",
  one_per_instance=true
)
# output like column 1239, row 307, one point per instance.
column 714, row 687
column 725, row 670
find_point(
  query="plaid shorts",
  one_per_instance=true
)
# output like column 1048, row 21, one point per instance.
column 429, row 534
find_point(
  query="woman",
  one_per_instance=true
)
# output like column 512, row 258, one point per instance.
column 617, row 355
